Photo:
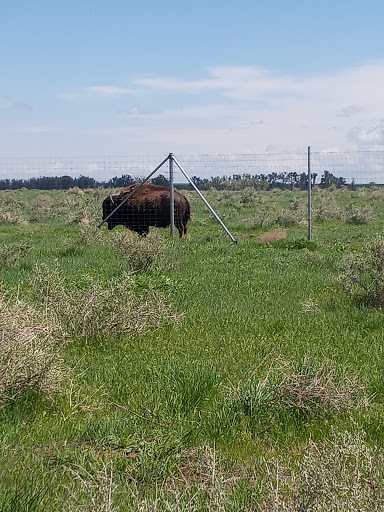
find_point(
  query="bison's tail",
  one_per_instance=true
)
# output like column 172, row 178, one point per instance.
column 187, row 214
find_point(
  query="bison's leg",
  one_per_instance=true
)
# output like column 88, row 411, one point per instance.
column 143, row 231
column 180, row 226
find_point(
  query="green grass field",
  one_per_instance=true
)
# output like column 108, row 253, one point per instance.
column 190, row 374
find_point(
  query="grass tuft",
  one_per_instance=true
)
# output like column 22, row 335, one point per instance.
column 94, row 310
column 29, row 357
column 362, row 275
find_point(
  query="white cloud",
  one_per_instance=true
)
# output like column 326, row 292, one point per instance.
column 7, row 103
column 349, row 111
column 368, row 136
column 108, row 90
column 137, row 112
column 33, row 129
column 250, row 83
column 337, row 110
column 227, row 110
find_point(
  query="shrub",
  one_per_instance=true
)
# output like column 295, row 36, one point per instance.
column 29, row 357
column 199, row 482
column 43, row 209
column 362, row 275
column 326, row 208
column 93, row 310
column 289, row 217
column 316, row 390
column 10, row 254
column 10, row 218
column 296, row 213
column 343, row 474
column 90, row 235
column 358, row 215
column 141, row 253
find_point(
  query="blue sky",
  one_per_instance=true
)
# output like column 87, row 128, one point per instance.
column 150, row 77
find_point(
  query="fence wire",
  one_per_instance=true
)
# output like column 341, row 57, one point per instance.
column 249, row 174
column 277, row 169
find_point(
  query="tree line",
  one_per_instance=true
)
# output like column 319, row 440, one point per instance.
column 282, row 180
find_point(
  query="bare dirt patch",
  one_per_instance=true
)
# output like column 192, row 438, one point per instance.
column 272, row 236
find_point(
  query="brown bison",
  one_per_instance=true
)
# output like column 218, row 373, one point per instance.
column 149, row 206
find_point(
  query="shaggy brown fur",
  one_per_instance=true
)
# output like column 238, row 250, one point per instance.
column 149, row 206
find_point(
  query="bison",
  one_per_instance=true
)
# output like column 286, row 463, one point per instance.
column 149, row 206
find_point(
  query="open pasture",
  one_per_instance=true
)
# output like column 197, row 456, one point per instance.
column 190, row 374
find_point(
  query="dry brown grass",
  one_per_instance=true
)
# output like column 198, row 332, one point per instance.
column 201, row 483
column 10, row 218
column 343, row 474
column 29, row 356
column 10, row 254
column 308, row 388
column 272, row 236
column 94, row 309
column 314, row 389
column 362, row 275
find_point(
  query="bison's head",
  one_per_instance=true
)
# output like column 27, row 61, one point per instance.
column 109, row 204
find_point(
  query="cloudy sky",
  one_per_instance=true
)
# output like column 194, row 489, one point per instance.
column 80, row 78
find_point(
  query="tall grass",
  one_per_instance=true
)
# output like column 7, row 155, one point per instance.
column 29, row 358
column 94, row 310
column 198, row 375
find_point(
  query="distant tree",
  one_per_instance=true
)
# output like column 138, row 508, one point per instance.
column 198, row 182
column 123, row 181
column 292, row 179
column 66, row 182
column 329, row 179
column 160, row 180
column 217, row 182
column 86, row 182
column 303, row 181
column 352, row 186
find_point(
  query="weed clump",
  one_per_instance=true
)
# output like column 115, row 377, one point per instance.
column 94, row 310
column 362, row 276
column 141, row 253
column 29, row 357
column 309, row 388
column 90, row 235
column 199, row 481
column 315, row 390
column 358, row 215
column 327, row 208
column 295, row 214
column 10, row 254
column 342, row 474
column 10, row 218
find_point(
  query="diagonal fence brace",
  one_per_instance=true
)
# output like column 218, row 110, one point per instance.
column 204, row 200
column 133, row 192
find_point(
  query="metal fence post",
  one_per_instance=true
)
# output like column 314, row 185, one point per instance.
column 309, row 195
column 205, row 201
column 132, row 193
column 171, row 195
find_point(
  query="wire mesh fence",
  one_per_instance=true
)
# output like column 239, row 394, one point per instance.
column 282, row 170
column 211, row 176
